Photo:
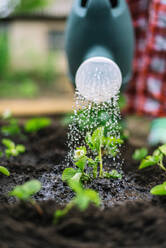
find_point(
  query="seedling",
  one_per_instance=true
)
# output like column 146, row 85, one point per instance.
column 140, row 153
column 36, row 124
column 82, row 200
column 25, row 192
column 151, row 160
column 12, row 128
column 12, row 149
column 159, row 189
column 155, row 159
column 99, row 145
column 4, row 171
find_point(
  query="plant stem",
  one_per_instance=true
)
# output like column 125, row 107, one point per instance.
column 37, row 207
column 101, row 163
column 161, row 165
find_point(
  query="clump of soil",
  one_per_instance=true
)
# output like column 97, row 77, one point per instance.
column 133, row 224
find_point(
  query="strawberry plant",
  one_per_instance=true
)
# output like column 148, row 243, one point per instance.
column 99, row 145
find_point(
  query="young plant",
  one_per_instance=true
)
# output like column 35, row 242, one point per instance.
column 12, row 149
column 159, row 189
column 36, row 124
column 98, row 145
column 12, row 127
column 4, row 171
column 82, row 200
column 25, row 192
column 151, row 160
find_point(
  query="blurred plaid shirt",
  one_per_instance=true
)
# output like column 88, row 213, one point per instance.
column 146, row 93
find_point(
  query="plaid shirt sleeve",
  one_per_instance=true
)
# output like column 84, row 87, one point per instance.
column 146, row 93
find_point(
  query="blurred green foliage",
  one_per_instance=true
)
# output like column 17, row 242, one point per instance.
column 4, row 52
column 31, row 5
column 27, row 83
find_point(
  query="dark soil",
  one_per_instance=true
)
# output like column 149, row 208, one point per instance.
column 130, row 216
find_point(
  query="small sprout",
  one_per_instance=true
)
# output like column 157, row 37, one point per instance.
column 140, row 153
column 148, row 161
column 159, row 189
column 82, row 200
column 155, row 159
column 27, row 190
column 4, row 171
column 12, row 127
column 12, row 149
column 36, row 124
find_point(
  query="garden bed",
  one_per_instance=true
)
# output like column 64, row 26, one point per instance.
column 130, row 216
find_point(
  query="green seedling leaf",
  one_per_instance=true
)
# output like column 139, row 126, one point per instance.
column 149, row 161
column 113, row 174
column 97, row 138
column 12, row 127
column 81, row 163
column 88, row 140
column 4, row 171
column 8, row 143
column 159, row 189
column 12, row 149
column 87, row 196
column 76, row 177
column 139, row 154
column 68, row 173
column 36, row 124
column 27, row 190
column 84, row 196
column 163, row 149
column 20, row 148
column 112, row 141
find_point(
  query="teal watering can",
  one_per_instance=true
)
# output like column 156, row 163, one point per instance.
column 100, row 29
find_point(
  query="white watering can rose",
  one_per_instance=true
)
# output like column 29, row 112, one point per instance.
column 98, row 79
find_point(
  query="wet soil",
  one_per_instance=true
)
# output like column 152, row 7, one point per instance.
column 129, row 217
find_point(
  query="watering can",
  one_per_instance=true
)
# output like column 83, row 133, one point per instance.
column 99, row 35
